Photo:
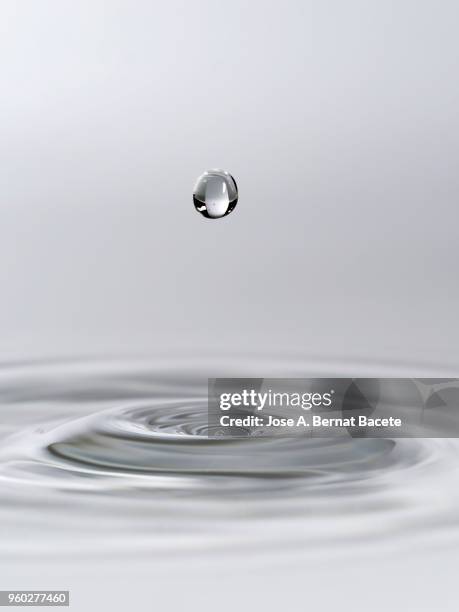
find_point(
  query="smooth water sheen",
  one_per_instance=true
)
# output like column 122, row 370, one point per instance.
column 98, row 458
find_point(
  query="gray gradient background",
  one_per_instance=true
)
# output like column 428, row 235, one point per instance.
column 339, row 121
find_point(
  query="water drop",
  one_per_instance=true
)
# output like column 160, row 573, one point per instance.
column 215, row 194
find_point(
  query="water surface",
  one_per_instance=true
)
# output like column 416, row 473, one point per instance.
column 112, row 459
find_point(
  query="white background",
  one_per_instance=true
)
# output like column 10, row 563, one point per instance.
column 339, row 122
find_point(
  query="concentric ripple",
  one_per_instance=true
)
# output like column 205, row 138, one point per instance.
column 128, row 444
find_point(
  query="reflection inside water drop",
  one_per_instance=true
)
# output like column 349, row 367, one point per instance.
column 215, row 194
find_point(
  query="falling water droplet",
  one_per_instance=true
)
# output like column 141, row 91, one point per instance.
column 215, row 194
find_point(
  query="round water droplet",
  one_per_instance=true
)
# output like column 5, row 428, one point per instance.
column 215, row 194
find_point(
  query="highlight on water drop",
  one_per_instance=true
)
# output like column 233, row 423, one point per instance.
column 215, row 194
